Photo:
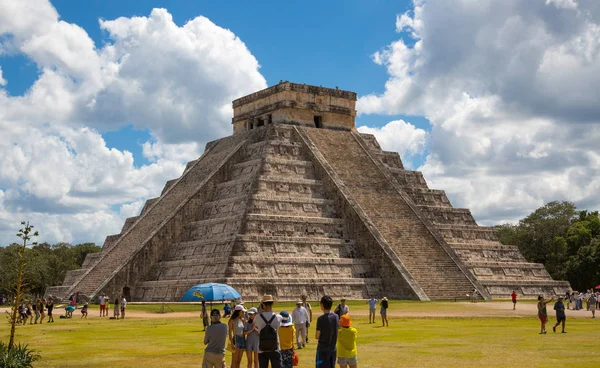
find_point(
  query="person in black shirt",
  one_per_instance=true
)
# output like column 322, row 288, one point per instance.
column 327, row 330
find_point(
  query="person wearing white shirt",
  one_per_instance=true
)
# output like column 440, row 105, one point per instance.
column 300, row 317
column 267, row 316
column 123, row 307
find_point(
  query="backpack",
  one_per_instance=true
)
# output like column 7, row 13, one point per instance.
column 268, row 340
column 338, row 310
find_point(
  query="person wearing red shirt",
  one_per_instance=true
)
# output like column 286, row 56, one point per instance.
column 513, row 296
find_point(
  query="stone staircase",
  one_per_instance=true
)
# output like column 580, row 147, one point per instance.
column 270, row 228
column 425, row 259
column 126, row 257
column 288, row 210
column 499, row 268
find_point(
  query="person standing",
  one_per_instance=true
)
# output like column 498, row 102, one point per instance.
column 102, row 301
column 346, row 344
column 204, row 315
column 34, row 307
column 286, row 333
column 300, row 317
column 236, row 335
column 215, row 339
column 542, row 312
column 341, row 308
column 513, row 296
column 307, row 306
column 372, row 309
column 383, row 312
column 561, row 317
column 252, row 339
column 41, row 305
column 116, row 308
column 268, row 324
column 326, row 335
column 593, row 303
column 123, row 304
column 50, row 307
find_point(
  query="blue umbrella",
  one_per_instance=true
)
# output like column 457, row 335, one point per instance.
column 210, row 292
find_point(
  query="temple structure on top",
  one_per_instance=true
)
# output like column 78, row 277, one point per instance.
column 298, row 104
column 297, row 201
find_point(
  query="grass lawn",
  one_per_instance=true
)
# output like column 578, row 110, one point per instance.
column 153, row 341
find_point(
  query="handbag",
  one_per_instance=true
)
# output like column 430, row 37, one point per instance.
column 295, row 359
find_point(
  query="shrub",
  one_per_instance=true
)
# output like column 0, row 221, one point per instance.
column 20, row 356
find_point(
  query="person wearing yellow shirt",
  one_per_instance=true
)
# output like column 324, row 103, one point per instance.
column 287, row 334
column 346, row 343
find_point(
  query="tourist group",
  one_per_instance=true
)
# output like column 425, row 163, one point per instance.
column 266, row 337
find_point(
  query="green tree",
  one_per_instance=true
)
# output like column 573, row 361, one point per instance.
column 26, row 234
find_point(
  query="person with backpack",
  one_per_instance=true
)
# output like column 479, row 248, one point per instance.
column 341, row 308
column 267, row 323
column 383, row 311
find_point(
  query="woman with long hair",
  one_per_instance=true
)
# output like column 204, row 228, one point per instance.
column 236, row 335
column 252, row 339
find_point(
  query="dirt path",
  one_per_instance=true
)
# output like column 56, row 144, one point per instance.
column 415, row 310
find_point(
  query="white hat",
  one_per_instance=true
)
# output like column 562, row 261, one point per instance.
column 252, row 310
column 240, row 308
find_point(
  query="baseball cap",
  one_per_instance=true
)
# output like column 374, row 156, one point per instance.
column 252, row 310
column 240, row 308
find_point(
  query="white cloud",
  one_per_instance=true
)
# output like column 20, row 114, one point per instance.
column 176, row 81
column 399, row 136
column 2, row 80
column 510, row 89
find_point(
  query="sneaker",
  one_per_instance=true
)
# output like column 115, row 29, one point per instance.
column 564, row 332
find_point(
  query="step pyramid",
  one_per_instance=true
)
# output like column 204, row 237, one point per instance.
column 297, row 202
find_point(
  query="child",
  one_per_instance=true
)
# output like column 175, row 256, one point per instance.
column 84, row 311
column 346, row 343
column 287, row 333
column 69, row 311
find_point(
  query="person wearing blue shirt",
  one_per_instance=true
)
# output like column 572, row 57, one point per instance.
column 561, row 318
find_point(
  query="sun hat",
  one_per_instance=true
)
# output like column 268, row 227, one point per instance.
column 345, row 321
column 343, row 299
column 384, row 298
column 267, row 298
column 252, row 310
column 286, row 319
column 299, row 302
column 240, row 307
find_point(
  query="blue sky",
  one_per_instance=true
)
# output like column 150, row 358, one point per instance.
column 314, row 42
column 102, row 102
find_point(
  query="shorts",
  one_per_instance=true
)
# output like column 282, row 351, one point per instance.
column 349, row 361
column 543, row 318
column 240, row 342
column 560, row 319
column 383, row 311
column 514, row 302
column 102, row 307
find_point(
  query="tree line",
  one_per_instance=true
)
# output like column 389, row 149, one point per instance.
column 566, row 240
column 45, row 265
